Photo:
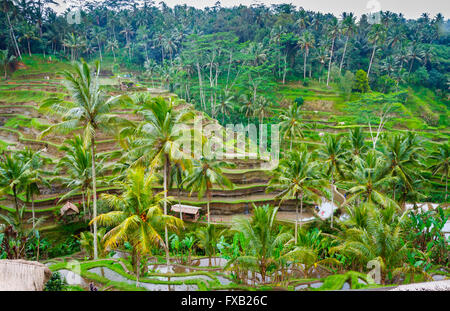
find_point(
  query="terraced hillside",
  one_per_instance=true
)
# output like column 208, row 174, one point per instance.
column 22, row 122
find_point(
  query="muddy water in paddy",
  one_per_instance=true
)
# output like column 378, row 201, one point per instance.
column 114, row 276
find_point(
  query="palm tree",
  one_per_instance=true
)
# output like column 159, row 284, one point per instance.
column 206, row 172
column 333, row 32
column 441, row 157
column 159, row 140
column 348, row 29
column 112, row 46
column 5, row 61
column 77, row 164
column 356, row 139
column 376, row 35
column 225, row 106
column 137, row 217
column 28, row 35
column 90, row 110
column 207, row 238
column 291, row 123
column 380, row 237
column 369, row 181
column 297, row 177
column 264, row 239
column 248, row 106
column 15, row 174
column 333, row 156
column 36, row 163
column 306, row 42
column 74, row 43
column 403, row 155
column 262, row 108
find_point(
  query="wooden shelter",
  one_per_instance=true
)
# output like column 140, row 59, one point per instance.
column 69, row 209
column 23, row 275
column 187, row 212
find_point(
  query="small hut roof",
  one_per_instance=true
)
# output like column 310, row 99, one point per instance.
column 186, row 209
column 22, row 275
column 69, row 207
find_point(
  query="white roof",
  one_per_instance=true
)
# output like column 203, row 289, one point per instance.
column 187, row 209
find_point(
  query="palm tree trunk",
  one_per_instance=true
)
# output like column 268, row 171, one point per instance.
column 332, row 199
column 94, row 194
column 32, row 210
column 296, row 218
column 11, row 29
column 343, row 54
column 329, row 63
column 166, row 234
column 207, row 204
column 304, row 66
column 446, row 188
column 29, row 49
column 371, row 60
column 301, row 209
column 138, row 268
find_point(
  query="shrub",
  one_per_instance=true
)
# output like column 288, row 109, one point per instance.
column 361, row 82
column 56, row 283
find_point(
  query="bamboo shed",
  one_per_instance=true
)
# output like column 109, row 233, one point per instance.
column 23, row 275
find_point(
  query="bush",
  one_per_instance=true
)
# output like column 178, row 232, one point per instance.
column 56, row 283
column 361, row 84
column 299, row 101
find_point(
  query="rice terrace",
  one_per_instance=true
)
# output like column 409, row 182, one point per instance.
column 146, row 147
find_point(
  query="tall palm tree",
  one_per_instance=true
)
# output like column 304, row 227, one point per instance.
column 306, row 42
column 376, row 35
column 29, row 34
column 262, row 108
column 90, row 110
column 158, row 141
column 297, row 177
column 356, row 139
column 112, row 45
column 137, row 216
column 207, row 238
column 248, row 106
column 333, row 156
column 348, row 29
column 291, row 123
column 441, row 158
column 207, row 172
column 333, row 32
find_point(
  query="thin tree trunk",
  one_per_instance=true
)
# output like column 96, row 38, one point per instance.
column 32, row 210
column 329, row 63
column 332, row 198
column 343, row 55
column 371, row 60
column 207, row 204
column 304, row 66
column 11, row 29
column 166, row 234
column 296, row 218
column 94, row 195
column 301, row 209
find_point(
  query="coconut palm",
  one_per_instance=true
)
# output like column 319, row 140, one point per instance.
column 5, row 60
column 248, row 106
column 297, row 177
column 333, row 32
column 291, row 123
column 90, row 110
column 376, row 35
column 159, row 141
column 205, row 173
column 380, row 238
column 29, row 34
column 207, row 238
column 356, row 140
column 36, row 162
column 348, row 29
column 403, row 156
column 306, row 42
column 15, row 174
column 441, row 159
column 263, row 236
column 262, row 108
column 112, row 45
column 77, row 165
column 332, row 155
column 368, row 180
column 137, row 217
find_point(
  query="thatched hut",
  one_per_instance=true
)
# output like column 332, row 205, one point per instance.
column 69, row 209
column 23, row 275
